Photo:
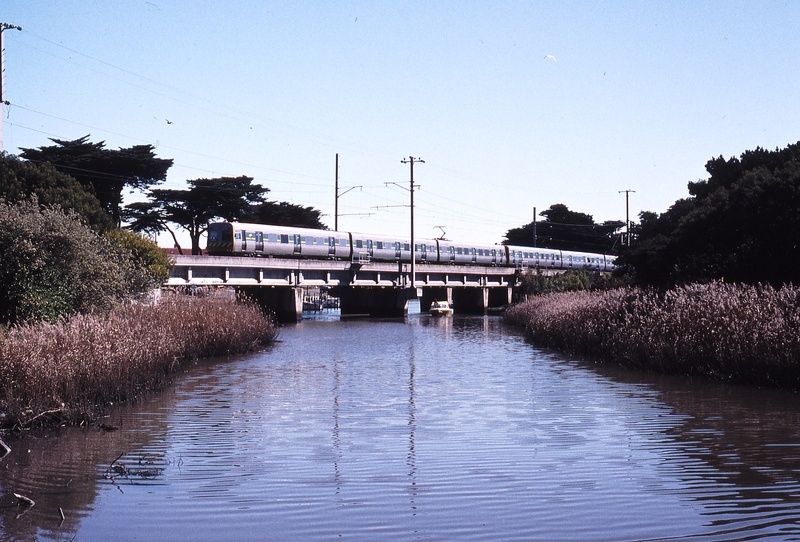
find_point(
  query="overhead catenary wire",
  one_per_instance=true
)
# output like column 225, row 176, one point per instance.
column 280, row 187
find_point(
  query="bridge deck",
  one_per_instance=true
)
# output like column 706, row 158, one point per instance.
column 243, row 271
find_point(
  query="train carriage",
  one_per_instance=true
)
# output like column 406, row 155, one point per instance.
column 368, row 246
column 235, row 238
column 282, row 241
column 543, row 258
column 584, row 260
column 463, row 254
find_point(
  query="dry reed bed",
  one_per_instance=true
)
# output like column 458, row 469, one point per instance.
column 735, row 333
column 72, row 370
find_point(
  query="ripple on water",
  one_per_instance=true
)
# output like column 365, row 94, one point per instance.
column 419, row 429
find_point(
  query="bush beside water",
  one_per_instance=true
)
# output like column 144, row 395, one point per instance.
column 733, row 333
column 71, row 371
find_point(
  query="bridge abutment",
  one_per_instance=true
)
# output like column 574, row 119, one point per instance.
column 285, row 303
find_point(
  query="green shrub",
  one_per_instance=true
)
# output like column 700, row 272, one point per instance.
column 53, row 265
column 153, row 263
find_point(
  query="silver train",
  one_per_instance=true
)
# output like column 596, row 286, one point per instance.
column 240, row 239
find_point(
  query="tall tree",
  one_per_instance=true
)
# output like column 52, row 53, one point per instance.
column 284, row 214
column 225, row 198
column 566, row 230
column 107, row 171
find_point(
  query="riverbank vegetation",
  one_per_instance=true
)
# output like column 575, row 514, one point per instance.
column 732, row 333
column 72, row 370
column 78, row 328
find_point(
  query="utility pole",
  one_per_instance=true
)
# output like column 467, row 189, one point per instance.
column 534, row 227
column 3, row 101
column 336, row 202
column 411, row 161
column 627, row 216
column 336, row 198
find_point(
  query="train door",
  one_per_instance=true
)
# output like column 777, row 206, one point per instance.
column 473, row 253
column 423, row 253
column 244, row 241
column 397, row 250
column 296, row 244
column 494, row 256
column 331, row 247
column 370, row 246
column 259, row 242
column 452, row 252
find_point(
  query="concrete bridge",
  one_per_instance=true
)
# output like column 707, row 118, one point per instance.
column 364, row 288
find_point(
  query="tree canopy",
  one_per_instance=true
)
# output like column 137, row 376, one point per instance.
column 742, row 224
column 108, row 172
column 284, row 214
column 564, row 229
column 19, row 180
column 222, row 198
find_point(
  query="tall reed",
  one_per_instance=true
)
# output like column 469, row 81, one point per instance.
column 74, row 369
column 735, row 333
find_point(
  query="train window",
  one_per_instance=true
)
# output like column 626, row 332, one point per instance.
column 359, row 243
column 343, row 243
column 212, row 235
column 250, row 236
column 238, row 235
column 309, row 240
column 284, row 239
column 273, row 238
column 379, row 245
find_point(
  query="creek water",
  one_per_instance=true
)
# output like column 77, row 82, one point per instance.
column 418, row 429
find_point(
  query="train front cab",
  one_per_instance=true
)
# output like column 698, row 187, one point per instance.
column 220, row 238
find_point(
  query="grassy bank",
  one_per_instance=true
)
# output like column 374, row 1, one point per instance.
column 741, row 334
column 72, row 371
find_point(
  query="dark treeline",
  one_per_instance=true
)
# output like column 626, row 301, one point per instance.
column 742, row 225
column 564, row 229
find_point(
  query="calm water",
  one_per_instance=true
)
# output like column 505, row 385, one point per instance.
column 425, row 429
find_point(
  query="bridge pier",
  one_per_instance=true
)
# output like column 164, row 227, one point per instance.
column 470, row 300
column 375, row 302
column 479, row 300
column 285, row 302
column 500, row 297
column 435, row 293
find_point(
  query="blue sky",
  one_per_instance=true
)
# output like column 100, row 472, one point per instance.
column 512, row 105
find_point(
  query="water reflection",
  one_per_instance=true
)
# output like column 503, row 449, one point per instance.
column 412, row 428
column 435, row 428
